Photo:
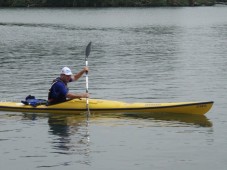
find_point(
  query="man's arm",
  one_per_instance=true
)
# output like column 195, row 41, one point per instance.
column 78, row 75
column 77, row 96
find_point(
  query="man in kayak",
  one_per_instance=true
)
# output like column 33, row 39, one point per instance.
column 59, row 91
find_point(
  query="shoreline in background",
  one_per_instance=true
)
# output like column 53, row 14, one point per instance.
column 107, row 3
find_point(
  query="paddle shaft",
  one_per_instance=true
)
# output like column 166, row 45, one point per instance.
column 87, row 52
column 87, row 101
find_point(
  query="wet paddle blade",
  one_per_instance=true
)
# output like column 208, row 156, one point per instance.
column 88, row 49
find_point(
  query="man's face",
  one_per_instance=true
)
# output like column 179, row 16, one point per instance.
column 66, row 78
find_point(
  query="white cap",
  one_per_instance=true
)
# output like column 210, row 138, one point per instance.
column 66, row 71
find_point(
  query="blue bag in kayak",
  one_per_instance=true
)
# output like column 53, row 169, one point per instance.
column 31, row 100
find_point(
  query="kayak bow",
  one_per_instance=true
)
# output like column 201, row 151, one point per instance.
column 77, row 106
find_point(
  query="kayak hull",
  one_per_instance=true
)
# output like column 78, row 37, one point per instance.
column 78, row 106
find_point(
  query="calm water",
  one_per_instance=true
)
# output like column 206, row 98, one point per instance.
column 138, row 54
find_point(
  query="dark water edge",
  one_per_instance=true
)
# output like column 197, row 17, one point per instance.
column 106, row 3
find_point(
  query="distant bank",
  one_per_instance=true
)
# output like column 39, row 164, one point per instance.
column 106, row 3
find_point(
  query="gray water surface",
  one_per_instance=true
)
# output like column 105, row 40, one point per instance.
column 138, row 55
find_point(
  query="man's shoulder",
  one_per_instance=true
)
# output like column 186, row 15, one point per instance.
column 58, row 84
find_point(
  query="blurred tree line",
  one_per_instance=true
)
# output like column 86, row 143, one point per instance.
column 104, row 3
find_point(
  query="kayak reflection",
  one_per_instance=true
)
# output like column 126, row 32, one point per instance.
column 69, row 134
column 187, row 119
column 63, row 123
column 79, row 120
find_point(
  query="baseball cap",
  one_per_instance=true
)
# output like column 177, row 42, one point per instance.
column 66, row 71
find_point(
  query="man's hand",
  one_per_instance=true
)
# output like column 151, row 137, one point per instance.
column 86, row 69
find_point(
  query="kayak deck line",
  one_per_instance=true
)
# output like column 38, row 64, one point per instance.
column 201, row 104
column 107, row 106
column 198, row 104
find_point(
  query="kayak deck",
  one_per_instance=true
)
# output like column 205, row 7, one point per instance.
column 78, row 106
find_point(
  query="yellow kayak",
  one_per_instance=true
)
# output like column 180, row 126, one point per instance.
column 78, row 106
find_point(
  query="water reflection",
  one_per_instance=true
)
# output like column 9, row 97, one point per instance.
column 184, row 119
column 69, row 134
column 65, row 126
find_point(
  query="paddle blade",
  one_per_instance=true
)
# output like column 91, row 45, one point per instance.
column 88, row 49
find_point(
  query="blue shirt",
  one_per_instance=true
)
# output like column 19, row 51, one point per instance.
column 58, row 92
